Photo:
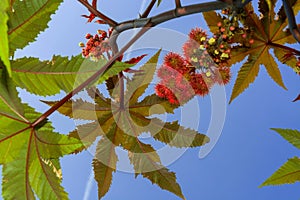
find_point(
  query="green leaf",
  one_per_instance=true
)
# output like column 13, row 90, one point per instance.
column 139, row 83
column 27, row 19
column 121, row 123
column 48, row 143
column 292, row 136
column 273, row 70
column 15, row 179
column 104, row 164
column 10, row 103
column 144, row 163
column 43, row 179
column 4, row 45
column 246, row 75
column 33, row 154
column 152, row 104
column 286, row 174
column 61, row 73
column 177, row 136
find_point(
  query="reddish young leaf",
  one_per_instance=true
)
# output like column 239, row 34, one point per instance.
column 99, row 21
column 91, row 17
column 297, row 98
column 136, row 59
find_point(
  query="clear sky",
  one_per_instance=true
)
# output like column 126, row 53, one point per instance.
column 246, row 153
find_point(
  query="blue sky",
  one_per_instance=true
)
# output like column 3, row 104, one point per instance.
column 245, row 155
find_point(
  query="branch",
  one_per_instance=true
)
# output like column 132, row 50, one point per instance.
column 93, row 10
column 178, row 3
column 145, row 24
column 108, row 65
column 171, row 14
column 292, row 20
column 148, row 9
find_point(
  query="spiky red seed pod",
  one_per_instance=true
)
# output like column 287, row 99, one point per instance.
column 198, row 35
column 222, row 29
column 223, row 75
column 251, row 41
column 199, row 85
column 232, row 28
column 174, row 61
column 219, row 24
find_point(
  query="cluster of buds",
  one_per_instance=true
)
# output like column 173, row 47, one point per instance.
column 96, row 45
column 230, row 28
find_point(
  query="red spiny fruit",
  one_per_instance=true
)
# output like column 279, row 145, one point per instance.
column 174, row 61
column 198, row 35
column 199, row 85
column 222, row 75
column 164, row 92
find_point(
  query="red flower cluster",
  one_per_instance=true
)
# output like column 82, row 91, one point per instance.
column 95, row 46
column 205, row 60
column 195, row 74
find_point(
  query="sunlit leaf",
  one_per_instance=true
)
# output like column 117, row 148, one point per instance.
column 10, row 104
column 4, row 46
column 104, row 164
column 292, row 136
column 269, row 33
column 27, row 19
column 30, row 157
column 286, row 174
column 121, row 120
column 61, row 73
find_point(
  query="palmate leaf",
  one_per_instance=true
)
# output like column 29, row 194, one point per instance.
column 121, row 123
column 27, row 19
column 30, row 156
column 286, row 174
column 4, row 46
column 268, row 34
column 61, row 73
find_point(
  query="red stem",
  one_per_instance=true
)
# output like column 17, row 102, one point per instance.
column 148, row 9
column 178, row 3
column 93, row 10
column 92, row 78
